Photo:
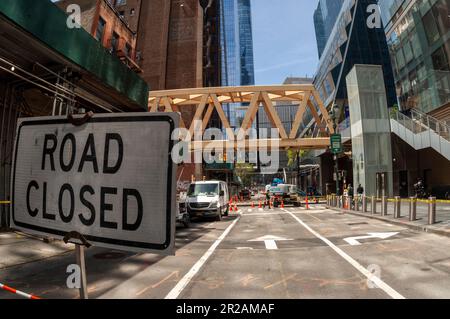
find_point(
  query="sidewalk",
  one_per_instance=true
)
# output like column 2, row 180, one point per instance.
column 18, row 249
column 442, row 226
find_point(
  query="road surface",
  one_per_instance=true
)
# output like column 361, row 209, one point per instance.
column 280, row 253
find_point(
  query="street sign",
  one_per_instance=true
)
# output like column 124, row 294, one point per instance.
column 112, row 180
column 336, row 143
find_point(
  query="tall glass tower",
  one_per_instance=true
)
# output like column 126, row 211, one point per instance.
column 325, row 18
column 237, row 51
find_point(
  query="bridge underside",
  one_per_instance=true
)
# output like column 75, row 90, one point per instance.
column 198, row 105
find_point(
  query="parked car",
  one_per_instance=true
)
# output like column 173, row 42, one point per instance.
column 208, row 199
column 245, row 194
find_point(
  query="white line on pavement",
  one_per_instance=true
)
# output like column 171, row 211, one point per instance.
column 376, row 280
column 182, row 284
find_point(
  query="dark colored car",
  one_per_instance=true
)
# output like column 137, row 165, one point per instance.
column 245, row 194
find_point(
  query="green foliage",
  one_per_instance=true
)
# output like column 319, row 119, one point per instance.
column 293, row 156
column 244, row 172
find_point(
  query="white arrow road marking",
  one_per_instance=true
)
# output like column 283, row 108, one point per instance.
column 354, row 241
column 372, row 277
column 270, row 241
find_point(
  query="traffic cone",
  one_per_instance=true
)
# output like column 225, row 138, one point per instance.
column 253, row 205
column 235, row 208
column 260, row 204
column 282, row 204
column 307, row 203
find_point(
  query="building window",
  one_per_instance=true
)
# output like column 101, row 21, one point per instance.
column 100, row 29
column 430, row 28
column 440, row 60
column 121, row 2
column 114, row 42
column 128, row 50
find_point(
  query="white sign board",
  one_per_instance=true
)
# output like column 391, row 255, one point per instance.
column 111, row 180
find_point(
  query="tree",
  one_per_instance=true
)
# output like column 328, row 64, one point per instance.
column 244, row 171
column 293, row 157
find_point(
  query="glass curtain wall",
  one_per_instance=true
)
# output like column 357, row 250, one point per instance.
column 418, row 35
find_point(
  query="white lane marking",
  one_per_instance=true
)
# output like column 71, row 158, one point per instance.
column 271, row 244
column 354, row 241
column 182, row 284
column 270, row 241
column 376, row 280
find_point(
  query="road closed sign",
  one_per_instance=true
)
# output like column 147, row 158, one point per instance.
column 111, row 180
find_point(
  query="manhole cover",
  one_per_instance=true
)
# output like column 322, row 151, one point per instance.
column 109, row 256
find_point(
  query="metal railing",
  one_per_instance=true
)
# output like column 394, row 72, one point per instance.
column 419, row 122
column 359, row 204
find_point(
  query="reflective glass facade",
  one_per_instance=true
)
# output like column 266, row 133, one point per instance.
column 324, row 19
column 367, row 46
column 418, row 33
column 237, row 51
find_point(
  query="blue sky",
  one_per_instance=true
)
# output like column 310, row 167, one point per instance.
column 284, row 39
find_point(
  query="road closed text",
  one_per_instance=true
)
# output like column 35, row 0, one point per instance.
column 60, row 154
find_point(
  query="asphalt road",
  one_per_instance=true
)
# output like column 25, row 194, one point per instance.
column 307, row 254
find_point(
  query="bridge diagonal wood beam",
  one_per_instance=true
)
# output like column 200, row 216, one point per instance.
column 207, row 117
column 251, row 113
column 198, row 114
column 223, row 117
column 155, row 105
column 324, row 112
column 316, row 116
column 299, row 116
column 171, row 107
column 273, row 115
column 167, row 105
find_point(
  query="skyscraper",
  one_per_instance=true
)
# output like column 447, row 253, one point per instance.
column 237, row 58
column 325, row 18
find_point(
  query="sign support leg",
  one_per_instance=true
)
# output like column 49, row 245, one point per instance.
column 81, row 262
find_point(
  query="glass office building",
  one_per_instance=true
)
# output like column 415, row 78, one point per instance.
column 352, row 42
column 237, row 51
column 324, row 19
column 418, row 33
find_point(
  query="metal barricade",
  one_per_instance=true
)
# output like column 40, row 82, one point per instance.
column 412, row 209
column 374, row 205
column 432, row 211
column 384, row 206
column 397, row 207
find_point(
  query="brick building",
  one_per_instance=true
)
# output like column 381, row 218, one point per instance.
column 106, row 24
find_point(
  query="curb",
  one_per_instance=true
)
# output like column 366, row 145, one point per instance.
column 420, row 228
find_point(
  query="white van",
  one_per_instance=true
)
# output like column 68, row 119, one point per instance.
column 208, row 199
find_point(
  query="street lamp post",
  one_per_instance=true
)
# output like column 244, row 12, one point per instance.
column 335, row 117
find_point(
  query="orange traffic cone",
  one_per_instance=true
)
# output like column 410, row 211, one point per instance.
column 235, row 208
column 260, row 204
column 253, row 205
column 307, row 203
column 282, row 204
